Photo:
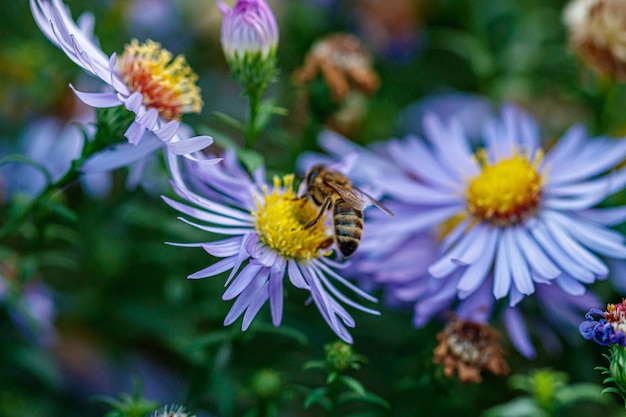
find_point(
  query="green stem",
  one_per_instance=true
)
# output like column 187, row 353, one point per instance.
column 16, row 222
column 333, row 395
column 251, row 133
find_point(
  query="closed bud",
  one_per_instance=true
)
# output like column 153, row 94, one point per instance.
column 341, row 357
column 617, row 367
column 249, row 40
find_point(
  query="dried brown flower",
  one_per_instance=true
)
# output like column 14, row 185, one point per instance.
column 344, row 64
column 597, row 32
column 469, row 347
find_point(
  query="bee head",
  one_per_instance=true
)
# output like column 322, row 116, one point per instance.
column 312, row 173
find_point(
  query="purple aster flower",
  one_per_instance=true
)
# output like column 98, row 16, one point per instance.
column 605, row 327
column 249, row 27
column 397, row 255
column 146, row 80
column 265, row 241
column 509, row 209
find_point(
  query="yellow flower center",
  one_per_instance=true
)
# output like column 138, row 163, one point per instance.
column 167, row 86
column 507, row 192
column 280, row 220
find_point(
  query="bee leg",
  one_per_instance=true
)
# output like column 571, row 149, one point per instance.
column 325, row 207
column 326, row 244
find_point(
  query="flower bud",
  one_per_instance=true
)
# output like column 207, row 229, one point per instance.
column 596, row 30
column 267, row 383
column 340, row 357
column 617, row 367
column 249, row 40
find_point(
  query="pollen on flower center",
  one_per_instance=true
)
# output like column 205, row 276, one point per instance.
column 615, row 314
column 280, row 220
column 167, row 85
column 506, row 192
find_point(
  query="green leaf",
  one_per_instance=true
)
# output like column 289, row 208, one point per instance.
column 60, row 210
column 332, row 377
column 229, row 121
column 366, row 397
column 353, row 384
column 519, row 407
column 581, row 392
column 317, row 396
column 314, row 365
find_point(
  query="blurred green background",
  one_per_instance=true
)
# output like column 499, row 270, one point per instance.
column 123, row 306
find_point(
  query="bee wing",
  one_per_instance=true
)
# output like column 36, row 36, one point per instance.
column 357, row 200
column 375, row 202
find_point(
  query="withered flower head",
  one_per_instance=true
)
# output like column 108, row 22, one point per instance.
column 597, row 32
column 469, row 347
column 343, row 63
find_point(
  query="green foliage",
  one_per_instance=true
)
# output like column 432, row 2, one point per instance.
column 121, row 294
column 339, row 388
column 128, row 405
column 549, row 395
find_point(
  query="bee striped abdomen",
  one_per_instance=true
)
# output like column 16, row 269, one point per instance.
column 348, row 227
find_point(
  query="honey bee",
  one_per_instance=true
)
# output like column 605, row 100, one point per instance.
column 326, row 188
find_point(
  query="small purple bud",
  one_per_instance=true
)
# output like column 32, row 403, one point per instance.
column 249, row 27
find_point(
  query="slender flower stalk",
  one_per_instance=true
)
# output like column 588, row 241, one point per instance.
column 265, row 241
column 250, row 40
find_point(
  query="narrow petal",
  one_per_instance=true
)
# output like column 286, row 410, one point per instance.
column 98, row 100
column 606, row 242
column 254, row 306
column 518, row 334
column 216, row 268
column 135, row 132
column 133, row 102
column 276, row 292
column 403, row 153
column 502, row 273
column 248, row 296
column 606, row 216
column 445, row 265
column 482, row 234
column 517, row 264
column 167, row 132
column 475, row 274
column 570, row 285
column 241, row 281
column 190, row 145
column 120, row 155
column 539, row 262
column 562, row 258
column 295, row 276
column 223, row 248
column 586, row 258
column 203, row 214
column 219, row 230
